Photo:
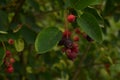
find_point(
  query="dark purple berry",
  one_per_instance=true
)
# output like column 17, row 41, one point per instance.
column 68, row 43
column 89, row 38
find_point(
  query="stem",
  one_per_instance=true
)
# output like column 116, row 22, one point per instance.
column 66, row 22
column 84, row 55
column 3, row 44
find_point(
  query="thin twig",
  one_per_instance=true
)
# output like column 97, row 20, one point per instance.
column 3, row 44
column 84, row 55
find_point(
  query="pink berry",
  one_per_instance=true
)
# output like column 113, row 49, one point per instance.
column 11, row 41
column 8, row 53
column 71, row 18
column 68, row 51
column 71, row 55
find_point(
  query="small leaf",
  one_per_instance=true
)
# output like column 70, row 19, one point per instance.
column 47, row 39
column 19, row 45
column 3, row 32
column 90, row 25
column 2, row 55
column 81, row 4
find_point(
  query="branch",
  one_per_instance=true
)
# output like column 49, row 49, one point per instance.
column 84, row 55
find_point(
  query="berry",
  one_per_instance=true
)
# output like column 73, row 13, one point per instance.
column 75, row 49
column 8, row 53
column 10, row 69
column 68, row 51
column 71, row 18
column 68, row 43
column 76, row 38
column 62, row 41
column 11, row 41
column 89, row 38
column 77, row 31
column 71, row 55
column 66, row 33
column 12, row 60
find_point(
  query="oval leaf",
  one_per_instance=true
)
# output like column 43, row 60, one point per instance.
column 81, row 4
column 2, row 55
column 47, row 39
column 89, row 24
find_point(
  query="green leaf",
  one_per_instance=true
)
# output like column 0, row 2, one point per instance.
column 2, row 55
column 97, row 15
column 19, row 45
column 47, row 39
column 28, row 34
column 81, row 4
column 96, row 2
column 90, row 25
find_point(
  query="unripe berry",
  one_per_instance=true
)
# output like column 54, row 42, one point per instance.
column 12, row 60
column 71, row 18
column 11, row 41
column 10, row 69
column 76, row 38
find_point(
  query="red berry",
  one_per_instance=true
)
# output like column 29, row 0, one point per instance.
column 76, row 38
column 12, row 60
column 72, row 55
column 8, row 53
column 68, row 51
column 10, row 69
column 77, row 31
column 66, row 33
column 71, row 18
column 11, row 41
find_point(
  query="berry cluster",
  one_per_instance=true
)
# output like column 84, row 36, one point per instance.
column 8, row 61
column 70, row 46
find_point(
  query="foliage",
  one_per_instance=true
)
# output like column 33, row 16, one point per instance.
column 36, row 27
